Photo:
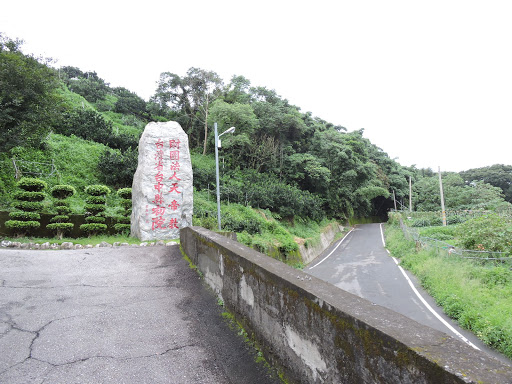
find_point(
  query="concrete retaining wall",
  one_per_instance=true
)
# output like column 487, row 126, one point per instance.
column 309, row 253
column 317, row 333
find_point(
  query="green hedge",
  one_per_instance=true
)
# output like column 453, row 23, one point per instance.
column 97, row 190
column 28, row 206
column 96, row 200
column 62, row 209
column 125, row 193
column 94, row 208
column 29, row 196
column 59, row 219
column 61, row 227
column 25, row 216
column 62, row 191
column 93, row 228
column 18, row 225
column 95, row 219
column 31, row 184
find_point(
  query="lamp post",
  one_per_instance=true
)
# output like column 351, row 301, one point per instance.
column 217, row 142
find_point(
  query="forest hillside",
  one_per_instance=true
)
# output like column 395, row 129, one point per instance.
column 71, row 127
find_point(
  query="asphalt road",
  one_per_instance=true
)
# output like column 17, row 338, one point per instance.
column 360, row 264
column 115, row 315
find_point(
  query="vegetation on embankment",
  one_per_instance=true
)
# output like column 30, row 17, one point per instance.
column 477, row 295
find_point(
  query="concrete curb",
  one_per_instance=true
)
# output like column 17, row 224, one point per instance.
column 69, row 245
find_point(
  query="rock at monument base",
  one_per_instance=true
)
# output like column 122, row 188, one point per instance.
column 162, row 191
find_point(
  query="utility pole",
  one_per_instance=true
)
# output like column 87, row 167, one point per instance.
column 394, row 199
column 442, row 197
column 410, row 194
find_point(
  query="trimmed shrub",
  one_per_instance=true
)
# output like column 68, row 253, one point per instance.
column 28, row 202
column 62, row 192
column 125, row 193
column 59, row 219
column 29, row 196
column 25, row 216
column 60, row 224
column 32, row 184
column 99, row 200
column 93, row 228
column 61, row 227
column 97, row 190
column 95, row 206
column 28, row 206
column 123, row 226
column 95, row 219
column 62, row 209
column 22, row 226
column 94, row 209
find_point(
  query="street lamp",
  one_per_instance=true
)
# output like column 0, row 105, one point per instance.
column 217, row 142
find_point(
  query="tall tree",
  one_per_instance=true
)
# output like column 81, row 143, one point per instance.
column 191, row 97
column 28, row 97
column 498, row 175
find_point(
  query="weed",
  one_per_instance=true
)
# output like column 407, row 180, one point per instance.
column 478, row 297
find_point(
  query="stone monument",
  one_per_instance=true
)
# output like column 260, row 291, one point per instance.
column 162, row 193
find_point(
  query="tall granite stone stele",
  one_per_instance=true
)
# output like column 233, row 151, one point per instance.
column 162, row 194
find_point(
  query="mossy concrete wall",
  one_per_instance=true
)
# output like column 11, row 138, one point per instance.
column 317, row 333
column 311, row 251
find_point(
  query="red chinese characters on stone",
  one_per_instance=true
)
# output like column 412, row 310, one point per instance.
column 174, row 177
column 157, row 222
column 173, row 143
column 173, row 223
column 175, row 166
column 174, row 205
column 159, row 200
column 158, row 211
column 174, row 188
column 174, row 155
column 158, row 219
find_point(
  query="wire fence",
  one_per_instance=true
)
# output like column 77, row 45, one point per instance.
column 447, row 249
column 457, row 216
column 33, row 168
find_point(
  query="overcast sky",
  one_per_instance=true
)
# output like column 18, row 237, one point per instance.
column 430, row 82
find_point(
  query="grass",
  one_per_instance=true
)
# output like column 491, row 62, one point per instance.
column 439, row 232
column 478, row 297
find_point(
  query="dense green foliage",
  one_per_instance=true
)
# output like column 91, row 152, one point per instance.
column 458, row 195
column 28, row 98
column 490, row 232
column 295, row 164
column 497, row 175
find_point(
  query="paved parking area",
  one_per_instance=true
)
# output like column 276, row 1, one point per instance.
column 115, row 315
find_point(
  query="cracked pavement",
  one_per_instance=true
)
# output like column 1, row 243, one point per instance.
column 115, row 315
